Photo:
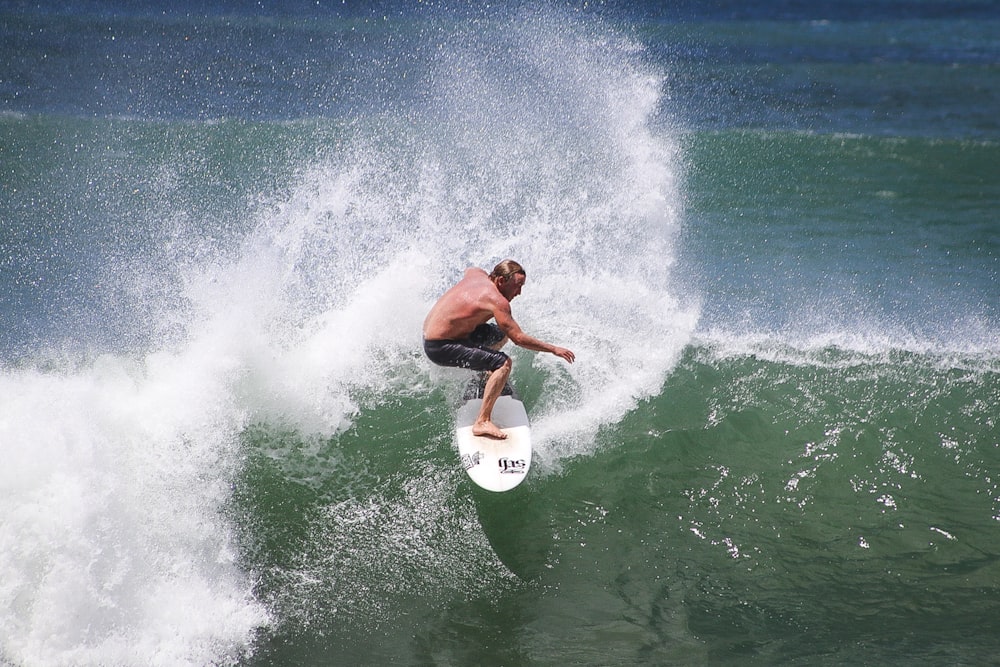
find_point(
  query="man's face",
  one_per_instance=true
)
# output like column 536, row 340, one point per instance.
column 511, row 286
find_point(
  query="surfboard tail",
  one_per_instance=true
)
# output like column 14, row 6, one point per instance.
column 495, row 465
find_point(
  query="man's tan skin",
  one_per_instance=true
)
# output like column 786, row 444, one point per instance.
column 475, row 300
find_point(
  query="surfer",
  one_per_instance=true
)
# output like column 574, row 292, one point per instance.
column 456, row 332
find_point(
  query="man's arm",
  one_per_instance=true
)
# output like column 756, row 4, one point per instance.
column 512, row 329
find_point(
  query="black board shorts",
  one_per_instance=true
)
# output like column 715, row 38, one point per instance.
column 473, row 352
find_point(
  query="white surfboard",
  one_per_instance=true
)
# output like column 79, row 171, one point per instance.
column 495, row 465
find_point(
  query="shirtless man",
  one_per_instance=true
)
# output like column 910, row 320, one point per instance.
column 456, row 332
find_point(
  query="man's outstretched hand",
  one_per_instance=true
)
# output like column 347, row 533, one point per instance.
column 565, row 354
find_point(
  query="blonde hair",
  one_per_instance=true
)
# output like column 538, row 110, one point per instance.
column 506, row 269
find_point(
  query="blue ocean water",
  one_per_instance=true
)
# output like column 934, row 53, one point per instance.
column 768, row 230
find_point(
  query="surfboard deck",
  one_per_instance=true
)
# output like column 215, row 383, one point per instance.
column 495, row 465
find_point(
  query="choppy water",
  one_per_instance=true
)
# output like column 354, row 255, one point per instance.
column 768, row 231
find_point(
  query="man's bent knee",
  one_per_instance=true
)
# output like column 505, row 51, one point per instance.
column 501, row 372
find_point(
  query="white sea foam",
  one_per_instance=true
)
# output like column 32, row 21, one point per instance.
column 838, row 348
column 114, row 550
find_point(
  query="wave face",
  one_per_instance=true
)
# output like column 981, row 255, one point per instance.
column 775, row 263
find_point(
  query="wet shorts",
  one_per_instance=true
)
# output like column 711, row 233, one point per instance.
column 473, row 352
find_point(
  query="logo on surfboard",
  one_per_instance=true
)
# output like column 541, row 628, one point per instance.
column 470, row 461
column 507, row 466
column 511, row 466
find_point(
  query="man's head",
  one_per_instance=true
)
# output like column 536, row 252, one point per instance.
column 509, row 277
column 506, row 268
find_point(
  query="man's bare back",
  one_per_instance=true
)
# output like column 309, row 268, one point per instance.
column 473, row 301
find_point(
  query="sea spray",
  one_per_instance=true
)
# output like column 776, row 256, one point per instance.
column 533, row 141
column 560, row 112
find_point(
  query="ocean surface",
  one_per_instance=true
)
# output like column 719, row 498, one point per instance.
column 768, row 229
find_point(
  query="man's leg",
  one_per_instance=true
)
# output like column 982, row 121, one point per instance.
column 491, row 392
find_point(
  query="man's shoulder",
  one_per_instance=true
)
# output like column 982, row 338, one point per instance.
column 476, row 272
column 481, row 289
column 476, row 281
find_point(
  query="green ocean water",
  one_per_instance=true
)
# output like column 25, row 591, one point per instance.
column 845, row 234
column 767, row 231
column 767, row 506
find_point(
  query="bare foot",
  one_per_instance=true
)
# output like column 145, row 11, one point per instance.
column 488, row 429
